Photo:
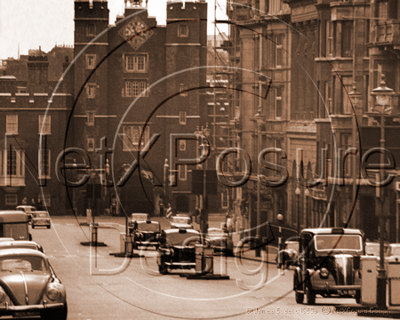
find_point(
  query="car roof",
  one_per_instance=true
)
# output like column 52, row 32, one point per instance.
column 168, row 231
column 332, row 231
column 16, row 215
column 25, row 206
column 21, row 251
column 11, row 243
column 214, row 229
column 139, row 213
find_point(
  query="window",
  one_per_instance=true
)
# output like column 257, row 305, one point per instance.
column 11, row 162
column 225, row 199
column 183, row 90
column 11, row 200
column 91, row 91
column 21, row 89
column 182, row 145
column 90, row 31
column 183, row 30
column 44, row 124
column 90, row 119
column 278, row 51
column 278, row 103
column 346, row 89
column 135, row 88
column 182, row 172
column 12, row 123
column 44, row 163
column 347, row 32
column 90, row 144
column 345, row 144
column 47, row 200
column 383, row 10
column 135, row 62
column 132, row 134
column 329, row 38
column 328, row 97
column 90, row 61
column 182, row 117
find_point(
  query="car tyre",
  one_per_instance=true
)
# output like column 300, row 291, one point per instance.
column 310, row 294
column 48, row 227
column 358, row 297
column 162, row 268
column 55, row 314
column 299, row 295
column 33, row 227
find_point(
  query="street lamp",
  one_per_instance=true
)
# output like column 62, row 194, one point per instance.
column 383, row 96
column 259, row 118
column 297, row 192
column 355, row 98
column 279, row 217
column 307, row 194
column 204, row 217
column 166, row 169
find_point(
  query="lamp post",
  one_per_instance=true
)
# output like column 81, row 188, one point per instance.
column 383, row 96
column 297, row 192
column 204, row 217
column 259, row 118
column 307, row 194
column 165, row 172
column 279, row 217
column 355, row 97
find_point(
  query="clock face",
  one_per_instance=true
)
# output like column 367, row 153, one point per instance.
column 136, row 33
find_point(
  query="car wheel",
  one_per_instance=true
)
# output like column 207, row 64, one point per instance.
column 358, row 297
column 48, row 227
column 55, row 314
column 33, row 227
column 162, row 268
column 310, row 294
column 299, row 295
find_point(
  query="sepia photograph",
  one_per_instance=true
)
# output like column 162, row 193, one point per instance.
column 199, row 159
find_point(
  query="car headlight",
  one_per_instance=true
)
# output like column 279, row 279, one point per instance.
column 3, row 295
column 52, row 292
column 324, row 273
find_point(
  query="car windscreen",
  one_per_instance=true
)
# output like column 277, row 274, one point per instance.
column 372, row 249
column 178, row 238
column 395, row 251
column 42, row 215
column 292, row 246
column 154, row 227
column 139, row 217
column 328, row 242
column 183, row 220
column 22, row 263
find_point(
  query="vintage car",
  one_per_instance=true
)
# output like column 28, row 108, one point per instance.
column 19, row 244
column 329, row 264
column 373, row 249
column 181, row 222
column 288, row 255
column 40, row 219
column 220, row 240
column 138, row 217
column 177, row 249
column 27, row 209
column 145, row 233
column 29, row 287
column 14, row 224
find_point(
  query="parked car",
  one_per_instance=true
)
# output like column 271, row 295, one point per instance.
column 395, row 249
column 177, row 249
column 27, row 209
column 220, row 240
column 329, row 264
column 146, row 233
column 29, row 286
column 289, row 253
column 374, row 249
column 181, row 222
column 40, row 219
column 138, row 217
column 20, row 244
column 14, row 224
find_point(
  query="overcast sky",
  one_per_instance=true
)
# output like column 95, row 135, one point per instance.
column 34, row 23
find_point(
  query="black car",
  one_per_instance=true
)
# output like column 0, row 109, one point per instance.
column 145, row 233
column 177, row 249
column 288, row 255
column 329, row 264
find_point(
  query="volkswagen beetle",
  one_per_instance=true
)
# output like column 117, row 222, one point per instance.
column 29, row 286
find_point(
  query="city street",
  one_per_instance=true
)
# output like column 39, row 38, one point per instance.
column 137, row 291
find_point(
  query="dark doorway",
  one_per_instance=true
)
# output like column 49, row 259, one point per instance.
column 182, row 204
column 369, row 221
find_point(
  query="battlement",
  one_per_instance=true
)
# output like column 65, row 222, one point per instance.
column 91, row 9
column 37, row 100
column 187, row 10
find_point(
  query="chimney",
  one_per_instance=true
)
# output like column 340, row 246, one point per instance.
column 37, row 73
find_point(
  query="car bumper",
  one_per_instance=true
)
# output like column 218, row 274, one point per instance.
column 41, row 222
column 28, row 310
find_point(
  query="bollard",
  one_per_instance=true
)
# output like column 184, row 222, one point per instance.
column 93, row 227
